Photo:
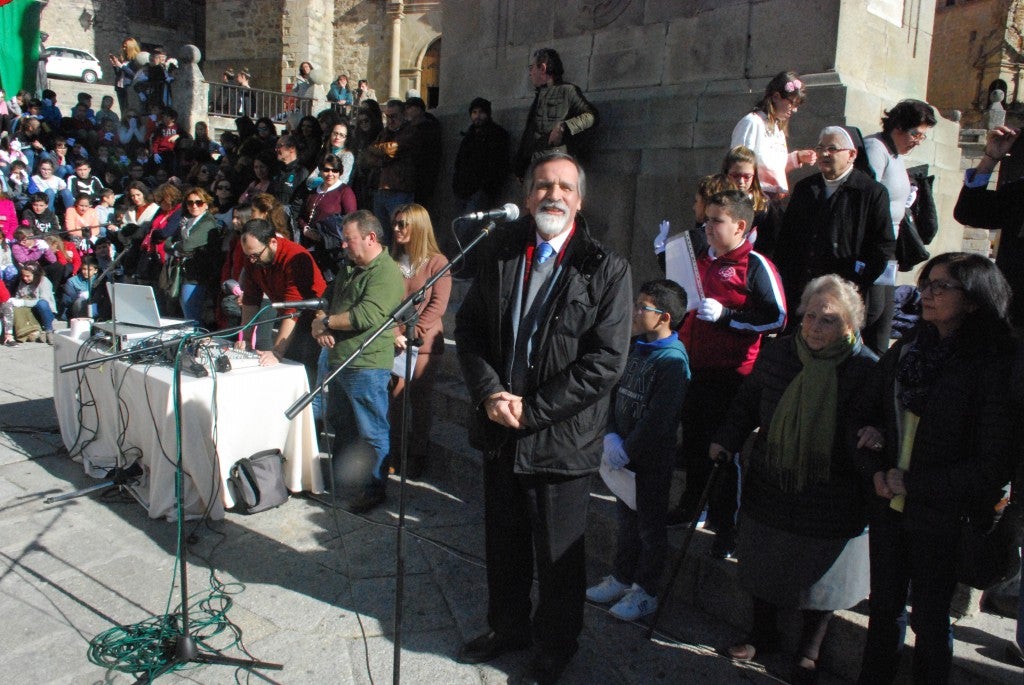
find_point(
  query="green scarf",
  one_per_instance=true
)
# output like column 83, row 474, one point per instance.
column 803, row 427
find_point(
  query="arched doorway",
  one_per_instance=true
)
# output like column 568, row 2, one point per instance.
column 430, row 74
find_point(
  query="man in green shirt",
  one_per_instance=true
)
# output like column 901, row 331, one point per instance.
column 365, row 292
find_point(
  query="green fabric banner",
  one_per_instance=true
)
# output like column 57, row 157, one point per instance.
column 19, row 45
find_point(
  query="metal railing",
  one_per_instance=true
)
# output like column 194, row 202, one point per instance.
column 230, row 100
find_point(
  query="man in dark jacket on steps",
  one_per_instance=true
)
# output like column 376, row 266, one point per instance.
column 542, row 339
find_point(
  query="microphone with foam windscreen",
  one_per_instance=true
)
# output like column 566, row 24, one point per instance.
column 314, row 303
column 509, row 212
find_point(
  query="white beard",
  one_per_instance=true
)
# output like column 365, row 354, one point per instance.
column 550, row 225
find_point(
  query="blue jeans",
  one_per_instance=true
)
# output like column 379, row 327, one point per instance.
column 45, row 315
column 321, row 372
column 357, row 407
column 384, row 203
column 192, row 297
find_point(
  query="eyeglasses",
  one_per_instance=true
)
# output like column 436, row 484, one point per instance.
column 223, row 188
column 830, row 149
column 741, row 177
column 641, row 308
column 254, row 258
column 194, row 203
column 917, row 135
column 937, row 288
column 330, row 170
column 400, row 223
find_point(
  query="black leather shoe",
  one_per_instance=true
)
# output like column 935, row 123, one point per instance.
column 545, row 669
column 490, row 646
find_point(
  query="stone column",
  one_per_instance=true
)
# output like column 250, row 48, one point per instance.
column 191, row 93
column 397, row 15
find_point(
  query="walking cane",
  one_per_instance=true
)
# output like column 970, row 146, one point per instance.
column 681, row 555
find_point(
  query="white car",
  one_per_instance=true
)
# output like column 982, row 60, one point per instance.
column 72, row 63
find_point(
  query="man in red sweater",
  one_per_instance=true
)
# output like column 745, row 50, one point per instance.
column 284, row 272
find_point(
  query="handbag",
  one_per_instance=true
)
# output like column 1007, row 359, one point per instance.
column 170, row 278
column 26, row 326
column 256, row 483
column 148, row 268
column 910, row 249
column 988, row 555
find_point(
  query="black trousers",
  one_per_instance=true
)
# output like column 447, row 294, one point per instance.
column 642, row 545
column 704, row 410
column 535, row 519
column 899, row 558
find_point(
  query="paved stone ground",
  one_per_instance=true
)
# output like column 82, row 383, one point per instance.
column 312, row 587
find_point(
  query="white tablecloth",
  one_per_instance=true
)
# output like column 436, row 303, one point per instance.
column 239, row 415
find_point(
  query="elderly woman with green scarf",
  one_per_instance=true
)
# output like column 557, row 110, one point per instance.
column 802, row 542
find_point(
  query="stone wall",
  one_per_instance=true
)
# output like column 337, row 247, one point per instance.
column 362, row 47
column 245, row 34
column 672, row 77
column 969, row 32
column 362, row 43
column 308, row 36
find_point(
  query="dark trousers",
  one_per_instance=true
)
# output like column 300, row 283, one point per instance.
column 642, row 539
column 707, row 402
column 542, row 519
column 900, row 558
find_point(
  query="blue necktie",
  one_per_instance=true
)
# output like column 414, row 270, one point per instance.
column 544, row 252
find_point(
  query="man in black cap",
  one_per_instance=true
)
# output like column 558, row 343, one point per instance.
column 481, row 167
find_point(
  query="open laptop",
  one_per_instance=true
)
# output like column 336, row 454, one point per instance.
column 135, row 311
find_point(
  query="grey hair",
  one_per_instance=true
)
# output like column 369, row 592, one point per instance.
column 553, row 157
column 366, row 221
column 851, row 305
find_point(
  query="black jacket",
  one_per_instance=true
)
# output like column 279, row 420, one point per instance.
column 482, row 162
column 1002, row 209
column 581, row 349
column 831, row 236
column 964, row 449
column 835, row 509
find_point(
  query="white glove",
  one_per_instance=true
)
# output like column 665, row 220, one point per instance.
column 912, row 198
column 710, row 309
column 659, row 240
column 83, row 295
column 614, row 452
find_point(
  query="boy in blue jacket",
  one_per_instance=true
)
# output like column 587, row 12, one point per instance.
column 641, row 436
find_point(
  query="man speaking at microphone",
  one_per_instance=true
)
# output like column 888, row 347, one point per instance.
column 285, row 272
column 367, row 289
column 542, row 338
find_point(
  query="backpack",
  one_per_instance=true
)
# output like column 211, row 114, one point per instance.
column 257, row 483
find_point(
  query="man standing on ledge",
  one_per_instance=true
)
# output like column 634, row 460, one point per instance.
column 542, row 338
column 558, row 114
column 364, row 293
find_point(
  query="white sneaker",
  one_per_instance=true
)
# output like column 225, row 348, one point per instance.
column 607, row 591
column 636, row 604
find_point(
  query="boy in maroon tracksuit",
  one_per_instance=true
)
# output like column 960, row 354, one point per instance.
column 743, row 300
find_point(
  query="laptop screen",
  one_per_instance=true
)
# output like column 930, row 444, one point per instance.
column 134, row 304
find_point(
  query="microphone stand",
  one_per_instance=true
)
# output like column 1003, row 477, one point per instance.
column 406, row 314
column 182, row 648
